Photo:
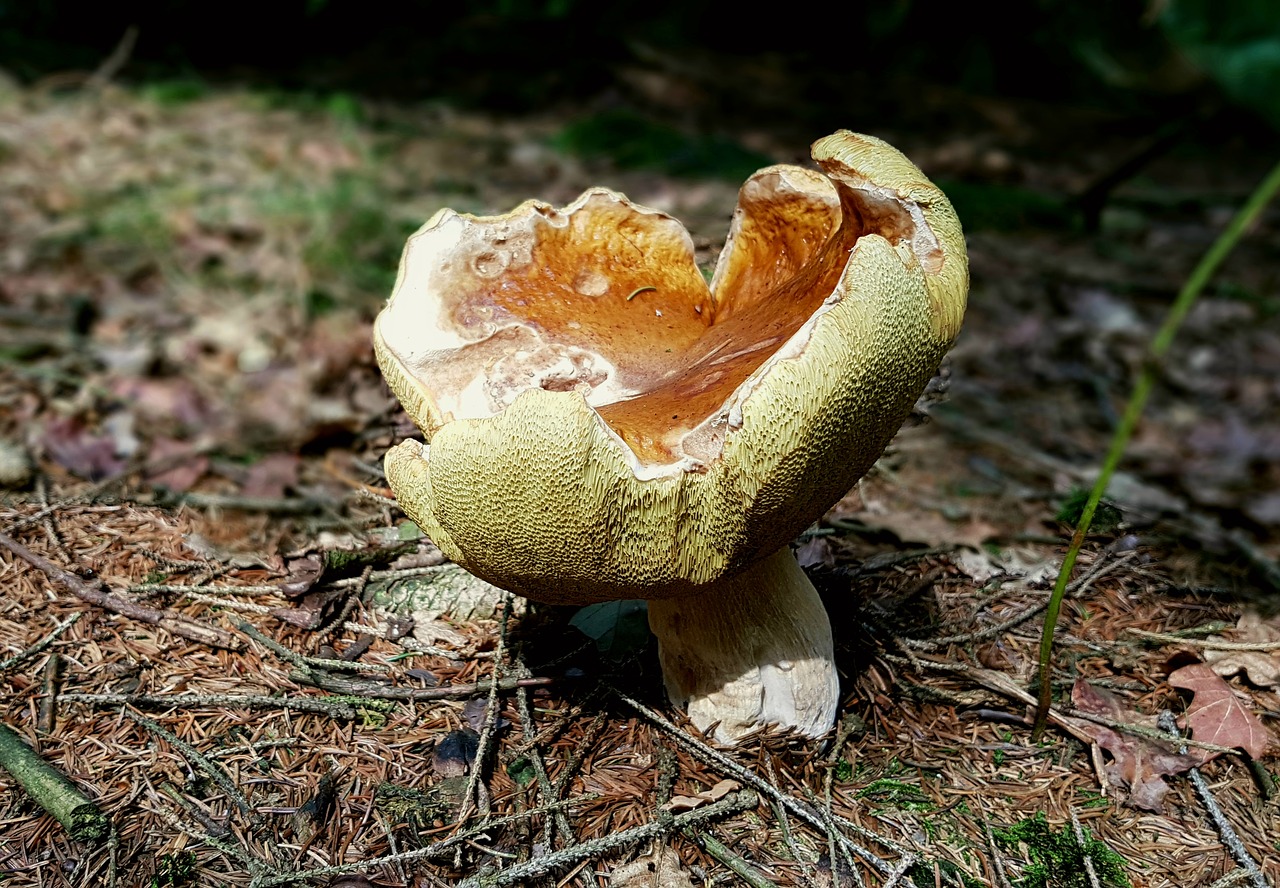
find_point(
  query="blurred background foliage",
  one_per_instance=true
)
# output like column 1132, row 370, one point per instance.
column 522, row 54
column 677, row 88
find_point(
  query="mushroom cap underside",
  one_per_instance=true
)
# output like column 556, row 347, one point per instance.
column 549, row 495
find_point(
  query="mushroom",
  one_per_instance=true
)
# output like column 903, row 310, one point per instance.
column 603, row 425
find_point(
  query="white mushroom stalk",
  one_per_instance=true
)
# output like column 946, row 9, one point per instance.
column 753, row 649
column 604, row 425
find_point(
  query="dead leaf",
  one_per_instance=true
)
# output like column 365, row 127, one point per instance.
column 269, row 476
column 208, row 550
column 1218, row 715
column 1138, row 764
column 174, row 401
column 303, row 574
column 815, row 552
column 707, row 796
column 981, row 565
column 1261, row 667
column 661, row 868
column 71, row 445
column 186, row 465
column 313, row 814
column 312, row 609
column 476, row 712
column 929, row 527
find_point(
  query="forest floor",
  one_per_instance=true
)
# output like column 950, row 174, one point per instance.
column 190, row 414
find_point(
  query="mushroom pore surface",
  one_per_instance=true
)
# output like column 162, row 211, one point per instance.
column 603, row 297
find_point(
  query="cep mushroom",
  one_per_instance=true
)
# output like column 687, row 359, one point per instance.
column 602, row 424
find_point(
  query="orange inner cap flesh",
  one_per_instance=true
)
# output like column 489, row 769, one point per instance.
column 604, row 298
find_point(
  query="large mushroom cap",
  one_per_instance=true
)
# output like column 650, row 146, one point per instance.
column 603, row 424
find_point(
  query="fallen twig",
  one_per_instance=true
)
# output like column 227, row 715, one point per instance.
column 476, row 797
column 35, row 649
column 112, row 64
column 257, row 867
column 743, row 870
column 743, row 800
column 1096, row 572
column 96, row 595
column 341, row 708
column 805, row 812
column 306, row 662
column 559, row 821
column 1084, row 851
column 997, row 859
column 784, row 825
column 1220, row 822
column 363, row 688
column 435, row 850
column 1060, row 716
column 196, row 759
column 271, row 505
column 51, row 789
column 900, row 871
column 828, row 781
column 47, row 714
column 1207, row 644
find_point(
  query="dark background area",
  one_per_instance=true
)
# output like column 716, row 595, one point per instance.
column 1149, row 59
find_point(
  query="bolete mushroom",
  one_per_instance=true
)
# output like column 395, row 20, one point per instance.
column 602, row 424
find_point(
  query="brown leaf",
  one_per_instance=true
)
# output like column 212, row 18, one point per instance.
column 80, row 451
column 1262, row 670
column 185, row 465
column 815, row 552
column 714, row 794
column 303, row 574
column 269, row 476
column 930, row 528
column 1138, row 764
column 312, row 609
column 659, row 869
column 1217, row 715
column 174, row 401
column 1261, row 667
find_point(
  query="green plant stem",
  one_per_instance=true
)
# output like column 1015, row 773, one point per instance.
column 1156, row 352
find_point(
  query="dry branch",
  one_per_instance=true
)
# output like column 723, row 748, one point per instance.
column 364, row 688
column 23, row 656
column 343, row 708
column 95, row 594
column 742, row 800
column 1220, row 822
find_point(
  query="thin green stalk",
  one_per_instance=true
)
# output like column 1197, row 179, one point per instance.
column 1156, row 351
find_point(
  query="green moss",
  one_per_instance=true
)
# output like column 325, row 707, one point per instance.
column 181, row 91
column 1056, row 859
column 983, row 205
column 923, row 874
column 176, row 870
column 896, row 794
column 1105, row 519
column 635, row 142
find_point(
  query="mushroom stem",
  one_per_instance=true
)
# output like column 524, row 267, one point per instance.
column 751, row 650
